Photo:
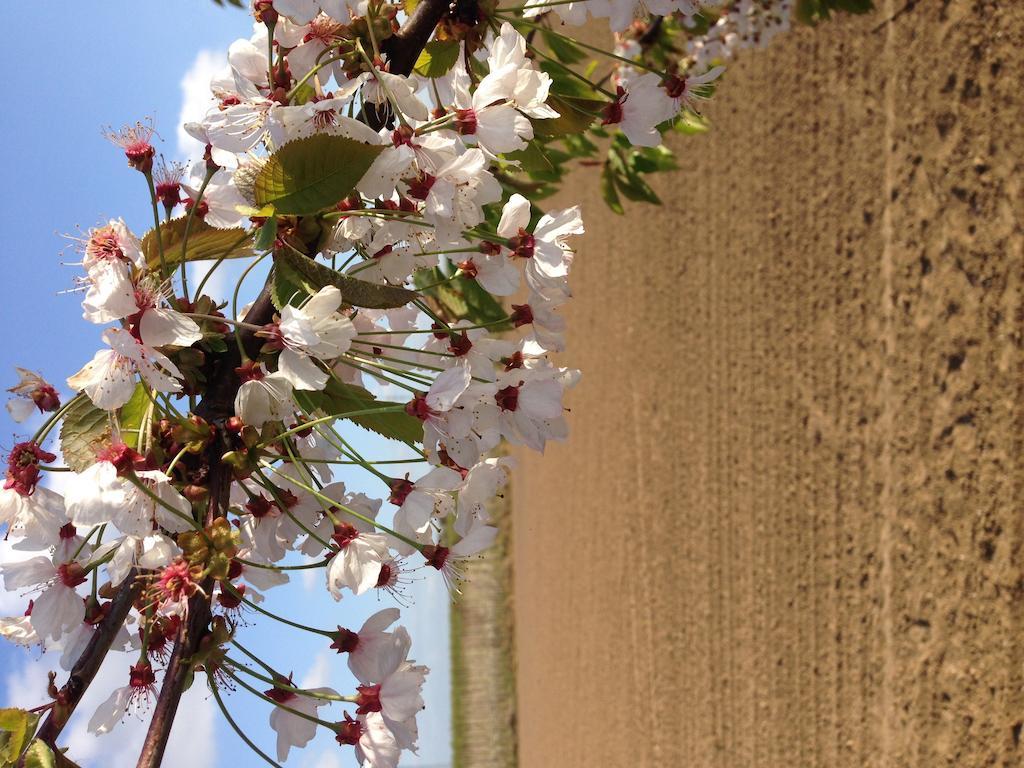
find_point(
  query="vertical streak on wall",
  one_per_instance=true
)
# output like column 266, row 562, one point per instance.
column 787, row 530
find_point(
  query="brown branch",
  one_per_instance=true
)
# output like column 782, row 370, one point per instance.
column 179, row 670
column 88, row 664
column 405, row 46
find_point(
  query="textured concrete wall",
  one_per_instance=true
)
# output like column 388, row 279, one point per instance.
column 787, row 528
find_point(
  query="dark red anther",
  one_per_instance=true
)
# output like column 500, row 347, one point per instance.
column 400, row 490
column 522, row 314
column 141, row 675
column 436, row 557
column 345, row 641
column 348, row 732
column 465, row 121
column 507, row 398
column 368, row 699
column 72, row 574
column 418, row 407
column 344, row 534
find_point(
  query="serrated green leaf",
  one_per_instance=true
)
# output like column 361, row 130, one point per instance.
column 313, row 276
column 286, row 287
column 308, row 175
column 16, row 726
column 437, row 58
column 339, row 398
column 84, row 431
column 39, row 755
column 266, row 235
column 132, row 415
column 205, row 243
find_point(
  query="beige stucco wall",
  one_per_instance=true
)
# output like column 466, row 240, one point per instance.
column 787, row 528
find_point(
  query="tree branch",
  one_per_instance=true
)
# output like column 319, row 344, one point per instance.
column 88, row 664
column 405, row 46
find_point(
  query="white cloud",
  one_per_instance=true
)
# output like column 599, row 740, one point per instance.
column 195, row 96
column 319, row 674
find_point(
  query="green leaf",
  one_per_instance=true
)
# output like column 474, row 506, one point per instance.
column 132, row 414
column 437, row 58
column 608, row 191
column 340, row 398
column 628, row 181
column 533, row 159
column 812, row 11
column 462, row 298
column 654, row 159
column 39, row 755
column 84, row 432
column 266, row 234
column 564, row 49
column 16, row 726
column 287, row 287
column 308, row 175
column 204, row 243
column 574, row 116
column 299, row 270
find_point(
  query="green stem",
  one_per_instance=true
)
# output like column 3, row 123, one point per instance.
column 156, row 224
column 188, row 231
column 238, row 595
column 332, row 502
column 234, row 726
column 285, row 687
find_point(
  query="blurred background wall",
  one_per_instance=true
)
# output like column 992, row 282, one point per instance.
column 787, row 528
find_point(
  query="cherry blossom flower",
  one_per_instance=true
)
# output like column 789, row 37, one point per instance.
column 292, row 729
column 371, row 645
column 32, row 392
column 357, row 563
column 374, row 742
column 109, row 378
column 315, row 330
column 641, row 104
column 128, row 699
column 59, row 608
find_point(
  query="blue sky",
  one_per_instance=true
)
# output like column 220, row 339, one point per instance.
column 84, row 66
